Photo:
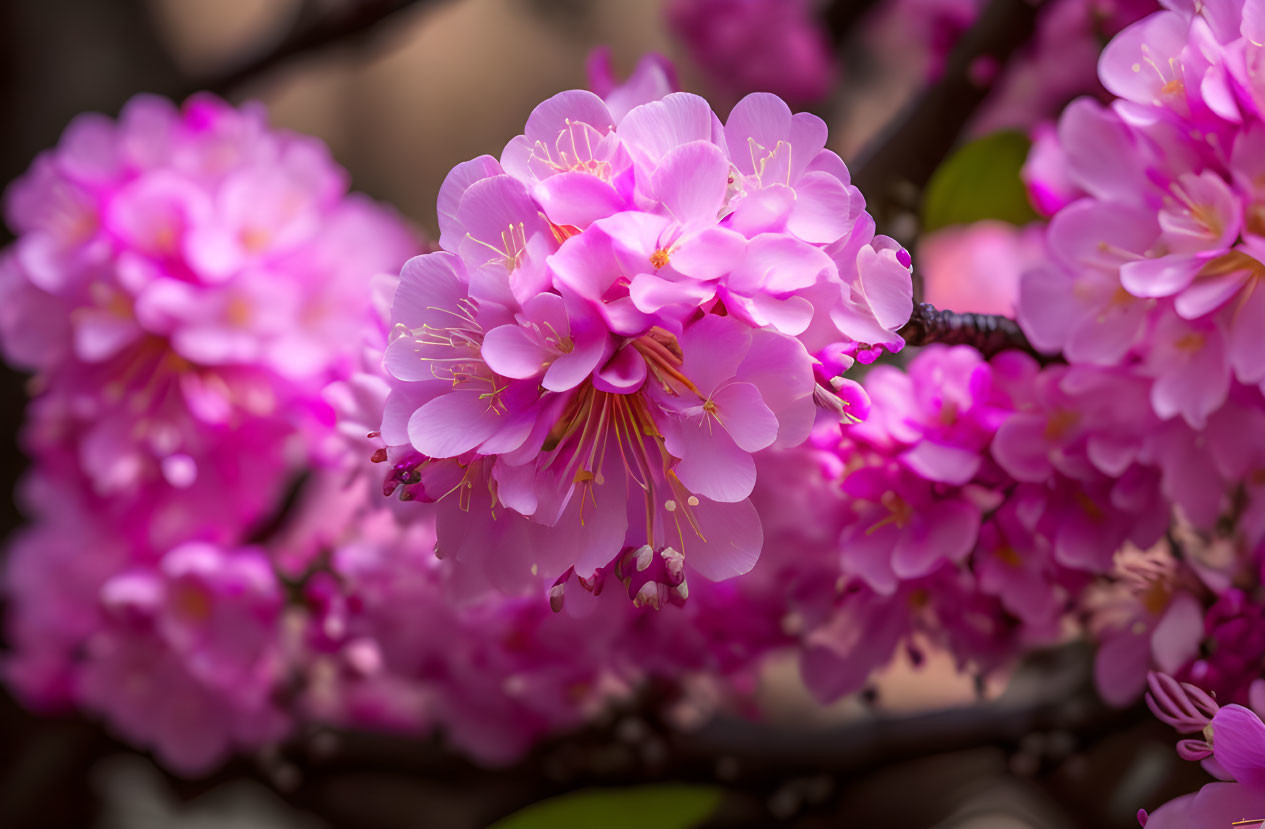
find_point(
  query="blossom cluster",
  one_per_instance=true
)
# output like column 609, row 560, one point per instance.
column 183, row 286
column 208, row 316
column 624, row 310
column 1154, row 256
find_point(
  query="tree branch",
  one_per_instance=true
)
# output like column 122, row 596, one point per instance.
column 315, row 29
column 841, row 16
column 905, row 154
column 990, row 334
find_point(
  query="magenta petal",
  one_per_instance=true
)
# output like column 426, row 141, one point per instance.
column 1238, row 743
column 1177, row 636
column 755, row 126
column 404, row 360
column 709, row 254
column 577, row 198
column 711, row 464
column 401, row 402
column 1120, row 667
column 1221, row 804
column 943, row 530
column 1160, row 277
column 657, row 127
column 860, row 638
column 778, row 264
column 556, row 113
column 432, row 287
column 866, row 551
column 731, row 540
column 945, row 464
column 887, row 286
column 1208, row 294
column 454, row 187
column 713, row 348
column 512, row 351
column 782, row 370
column 764, row 211
column 743, row 413
column 821, row 213
column 691, row 181
column 1246, row 354
column 623, row 374
column 452, row 424
column 1021, row 447
column 1103, row 336
column 100, row 334
column 570, row 369
column 790, row 316
column 651, row 293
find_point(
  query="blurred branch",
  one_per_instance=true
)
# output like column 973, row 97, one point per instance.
column 316, row 27
column 338, row 775
column 842, row 16
column 1053, row 693
column 899, row 161
column 990, row 334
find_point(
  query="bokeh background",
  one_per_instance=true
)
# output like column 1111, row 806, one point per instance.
column 434, row 83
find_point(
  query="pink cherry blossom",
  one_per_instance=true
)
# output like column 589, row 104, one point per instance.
column 598, row 377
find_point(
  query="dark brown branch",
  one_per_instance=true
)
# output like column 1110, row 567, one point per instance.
column 316, row 28
column 901, row 158
column 989, row 333
column 842, row 16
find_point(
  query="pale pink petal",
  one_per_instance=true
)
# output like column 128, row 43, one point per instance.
column 743, row 413
column 709, row 254
column 731, row 540
column 1246, row 354
column 512, row 351
column 887, row 286
column 764, row 211
column 691, row 181
column 458, row 180
column 577, row 198
column 623, row 374
column 943, row 463
column 1208, row 294
column 755, row 126
column 711, row 464
column 1160, row 277
column 789, row 316
column 452, row 424
column 651, row 293
column 655, row 128
column 821, row 212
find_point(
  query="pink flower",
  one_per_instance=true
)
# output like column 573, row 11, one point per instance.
column 598, row 377
column 147, row 670
column 197, row 270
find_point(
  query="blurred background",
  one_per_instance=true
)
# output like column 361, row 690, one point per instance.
column 402, row 91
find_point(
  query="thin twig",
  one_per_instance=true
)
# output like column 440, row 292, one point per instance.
column 314, row 29
column 990, row 334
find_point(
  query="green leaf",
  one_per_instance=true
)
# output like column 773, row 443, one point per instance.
column 662, row 807
column 980, row 181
